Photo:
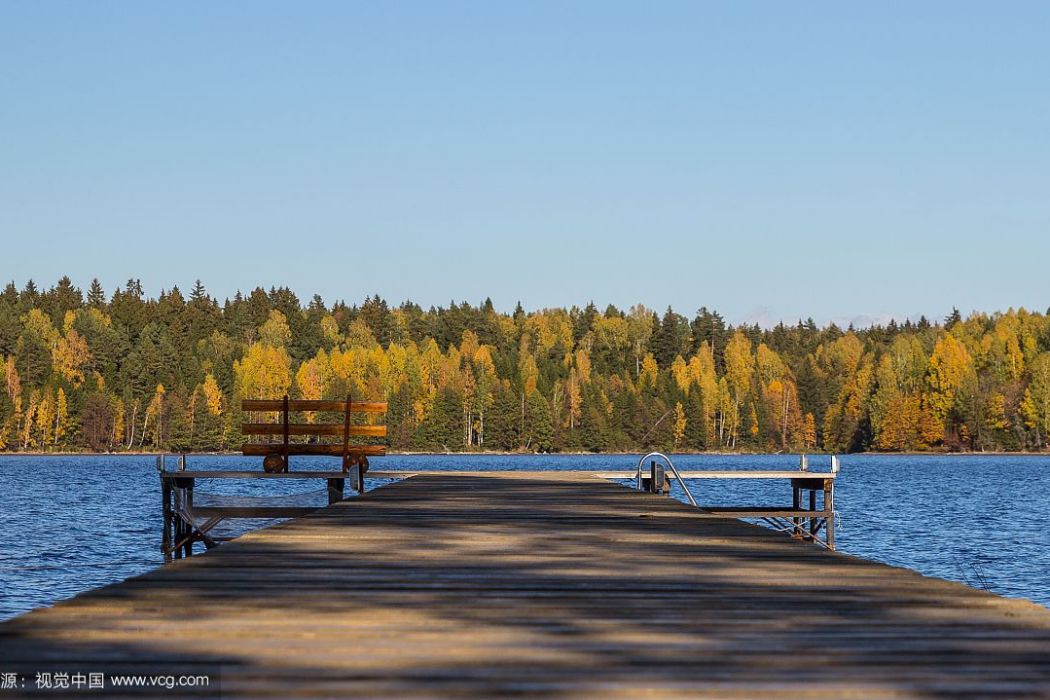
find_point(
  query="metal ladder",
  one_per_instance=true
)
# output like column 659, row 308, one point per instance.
column 674, row 470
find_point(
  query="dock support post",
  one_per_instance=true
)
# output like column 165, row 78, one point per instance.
column 284, row 431
column 183, row 541
column 357, row 478
column 189, row 508
column 166, row 524
column 335, row 490
column 829, row 507
column 796, row 504
column 813, row 518
column 657, row 477
column 656, row 482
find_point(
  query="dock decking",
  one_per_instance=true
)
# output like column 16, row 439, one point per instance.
column 540, row 585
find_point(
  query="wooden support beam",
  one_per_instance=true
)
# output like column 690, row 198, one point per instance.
column 206, row 474
column 284, row 432
column 346, row 436
column 165, row 494
column 234, row 512
column 812, row 519
column 829, row 506
column 335, row 490
column 303, row 405
column 812, row 479
column 188, row 500
column 796, row 504
column 313, row 429
column 263, row 449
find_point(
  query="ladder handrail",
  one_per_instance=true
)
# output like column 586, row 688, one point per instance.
column 674, row 469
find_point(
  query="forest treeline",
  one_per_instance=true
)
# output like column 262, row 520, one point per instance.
column 87, row 371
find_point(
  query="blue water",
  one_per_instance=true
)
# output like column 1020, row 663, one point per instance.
column 70, row 524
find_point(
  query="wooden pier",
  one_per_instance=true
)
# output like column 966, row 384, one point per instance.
column 538, row 585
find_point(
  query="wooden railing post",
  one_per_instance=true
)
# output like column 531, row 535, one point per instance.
column 165, row 494
column 829, row 507
column 812, row 518
column 335, row 490
column 284, row 446
column 346, row 435
column 189, row 509
column 796, row 504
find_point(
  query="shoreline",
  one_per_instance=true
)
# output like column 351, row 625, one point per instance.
column 488, row 453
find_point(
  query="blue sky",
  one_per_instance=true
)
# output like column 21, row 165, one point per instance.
column 771, row 160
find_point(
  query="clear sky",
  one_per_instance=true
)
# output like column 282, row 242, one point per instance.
column 771, row 160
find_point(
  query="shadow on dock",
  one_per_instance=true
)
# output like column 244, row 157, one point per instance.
column 541, row 586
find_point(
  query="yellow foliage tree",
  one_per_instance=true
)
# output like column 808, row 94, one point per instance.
column 264, row 372
column 704, row 377
column 154, row 411
column 212, row 395
column 330, row 331
column 683, row 377
column 809, row 432
column 843, row 419
column 740, row 366
column 45, row 416
column 648, row 375
column 1036, row 403
column 359, row 335
column 275, row 331
column 61, row 416
column 951, row 375
column 310, row 379
column 680, row 424
column 69, row 356
column 785, row 415
column 768, row 365
column 27, row 437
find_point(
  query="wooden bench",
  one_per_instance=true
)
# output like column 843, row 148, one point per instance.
column 275, row 454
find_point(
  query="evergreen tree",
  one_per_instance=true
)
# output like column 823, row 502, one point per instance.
column 96, row 297
column 30, row 296
column 695, row 436
column 503, row 425
column 582, row 321
column 952, row 319
column 709, row 327
column 670, row 338
column 539, row 424
column 376, row 315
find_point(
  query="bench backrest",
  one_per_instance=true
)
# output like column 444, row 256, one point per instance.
column 285, row 429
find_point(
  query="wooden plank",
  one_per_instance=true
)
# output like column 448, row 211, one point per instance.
column 539, row 585
column 253, row 511
column 425, row 472
column 727, row 474
column 241, row 474
column 333, row 450
column 303, row 405
column 763, row 513
column 312, row 429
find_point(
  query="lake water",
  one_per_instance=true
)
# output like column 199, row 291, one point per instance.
column 71, row 524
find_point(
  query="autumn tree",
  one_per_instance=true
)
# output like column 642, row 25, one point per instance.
column 1036, row 404
column 949, row 382
column 740, row 364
